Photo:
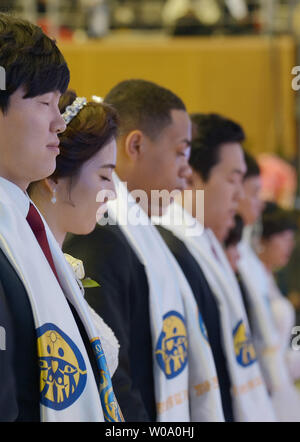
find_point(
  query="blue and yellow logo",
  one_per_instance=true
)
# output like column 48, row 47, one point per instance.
column 243, row 346
column 110, row 406
column 62, row 369
column 172, row 345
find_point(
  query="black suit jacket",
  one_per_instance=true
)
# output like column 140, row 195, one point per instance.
column 209, row 311
column 19, row 372
column 122, row 302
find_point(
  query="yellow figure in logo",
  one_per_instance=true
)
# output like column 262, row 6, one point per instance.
column 171, row 349
column 243, row 346
column 62, row 368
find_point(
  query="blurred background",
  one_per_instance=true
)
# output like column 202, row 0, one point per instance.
column 233, row 57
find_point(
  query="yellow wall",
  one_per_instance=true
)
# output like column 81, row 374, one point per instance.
column 245, row 78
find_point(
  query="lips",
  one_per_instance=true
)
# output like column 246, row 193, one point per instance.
column 53, row 147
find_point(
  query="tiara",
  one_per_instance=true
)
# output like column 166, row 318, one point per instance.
column 97, row 99
column 73, row 109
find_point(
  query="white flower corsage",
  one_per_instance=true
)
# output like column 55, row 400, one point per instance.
column 78, row 269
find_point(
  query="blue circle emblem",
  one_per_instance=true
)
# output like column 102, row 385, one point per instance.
column 243, row 345
column 63, row 372
column 171, row 348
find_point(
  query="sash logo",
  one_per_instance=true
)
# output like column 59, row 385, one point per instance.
column 171, row 348
column 111, row 410
column 62, row 368
column 243, row 346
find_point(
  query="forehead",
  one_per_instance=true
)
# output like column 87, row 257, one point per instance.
column 283, row 235
column 231, row 158
column 180, row 127
column 105, row 157
column 17, row 98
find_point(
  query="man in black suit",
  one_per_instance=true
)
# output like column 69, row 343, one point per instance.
column 153, row 151
column 209, row 311
column 218, row 167
column 36, row 74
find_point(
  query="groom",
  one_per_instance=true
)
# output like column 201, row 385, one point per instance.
column 36, row 76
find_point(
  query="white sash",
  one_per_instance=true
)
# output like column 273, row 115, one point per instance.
column 68, row 390
column 285, row 397
column 186, row 387
column 249, row 395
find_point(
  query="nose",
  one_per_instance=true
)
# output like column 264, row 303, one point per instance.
column 240, row 192
column 105, row 195
column 58, row 125
column 112, row 191
column 185, row 171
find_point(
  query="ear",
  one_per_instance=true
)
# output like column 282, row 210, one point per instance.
column 134, row 144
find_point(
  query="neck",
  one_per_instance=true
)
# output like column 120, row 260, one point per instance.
column 134, row 185
column 22, row 184
column 51, row 214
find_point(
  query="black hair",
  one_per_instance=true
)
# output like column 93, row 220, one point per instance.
column 30, row 59
column 89, row 131
column 143, row 105
column 253, row 169
column 209, row 133
column 275, row 220
column 234, row 235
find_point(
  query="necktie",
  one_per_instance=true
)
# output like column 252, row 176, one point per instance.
column 37, row 226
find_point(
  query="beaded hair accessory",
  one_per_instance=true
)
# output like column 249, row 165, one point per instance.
column 97, row 99
column 73, row 109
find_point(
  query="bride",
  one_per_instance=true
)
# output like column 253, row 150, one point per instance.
column 67, row 199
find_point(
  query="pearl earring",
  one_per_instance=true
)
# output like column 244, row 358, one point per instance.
column 53, row 199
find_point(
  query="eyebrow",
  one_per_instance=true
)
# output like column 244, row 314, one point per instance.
column 238, row 171
column 187, row 142
column 108, row 166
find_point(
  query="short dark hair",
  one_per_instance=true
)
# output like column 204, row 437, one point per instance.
column 143, row 105
column 235, row 234
column 253, row 169
column 30, row 59
column 275, row 220
column 209, row 133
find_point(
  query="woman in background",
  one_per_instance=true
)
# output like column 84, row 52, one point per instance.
column 275, row 248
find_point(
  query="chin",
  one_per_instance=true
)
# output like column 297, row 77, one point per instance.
column 44, row 174
column 84, row 230
column 159, row 210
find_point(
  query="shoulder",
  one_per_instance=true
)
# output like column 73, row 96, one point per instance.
column 177, row 246
column 104, row 241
